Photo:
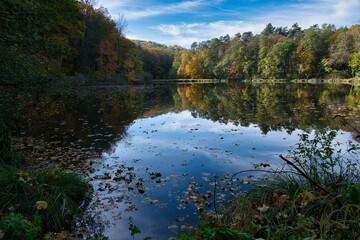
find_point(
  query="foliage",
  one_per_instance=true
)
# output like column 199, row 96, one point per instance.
column 275, row 53
column 16, row 227
column 133, row 228
column 289, row 206
column 55, row 195
column 355, row 64
column 326, row 162
column 213, row 229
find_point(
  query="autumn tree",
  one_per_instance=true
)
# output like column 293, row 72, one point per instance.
column 311, row 50
column 38, row 40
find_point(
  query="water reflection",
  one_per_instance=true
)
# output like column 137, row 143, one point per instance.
column 186, row 153
column 99, row 117
column 161, row 147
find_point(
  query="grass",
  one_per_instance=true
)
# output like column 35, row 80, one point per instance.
column 320, row 200
column 6, row 153
column 54, row 195
column 34, row 201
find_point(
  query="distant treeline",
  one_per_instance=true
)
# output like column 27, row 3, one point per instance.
column 48, row 41
column 316, row 52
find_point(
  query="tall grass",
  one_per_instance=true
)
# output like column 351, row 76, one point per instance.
column 6, row 153
column 54, row 195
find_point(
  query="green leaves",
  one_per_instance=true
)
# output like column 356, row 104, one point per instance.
column 324, row 160
column 133, row 228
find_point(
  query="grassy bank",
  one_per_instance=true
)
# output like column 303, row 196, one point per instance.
column 318, row 197
column 34, row 201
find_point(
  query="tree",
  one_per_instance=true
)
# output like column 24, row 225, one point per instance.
column 340, row 51
column 355, row 64
column 195, row 67
column 312, row 48
column 268, row 30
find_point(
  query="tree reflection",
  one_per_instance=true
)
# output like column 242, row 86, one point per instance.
column 99, row 118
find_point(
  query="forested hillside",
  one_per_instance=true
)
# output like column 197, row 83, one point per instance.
column 47, row 41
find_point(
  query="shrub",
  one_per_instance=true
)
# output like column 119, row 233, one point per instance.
column 16, row 227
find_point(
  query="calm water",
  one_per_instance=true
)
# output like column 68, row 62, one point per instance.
column 163, row 154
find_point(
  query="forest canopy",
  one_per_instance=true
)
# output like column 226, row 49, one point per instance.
column 47, row 41
column 278, row 52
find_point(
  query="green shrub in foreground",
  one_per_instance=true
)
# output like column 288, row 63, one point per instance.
column 15, row 226
column 54, row 195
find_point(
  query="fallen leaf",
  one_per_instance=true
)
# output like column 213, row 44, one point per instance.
column 263, row 209
column 117, row 217
column 41, row 205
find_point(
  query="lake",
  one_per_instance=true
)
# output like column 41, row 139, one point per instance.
column 163, row 154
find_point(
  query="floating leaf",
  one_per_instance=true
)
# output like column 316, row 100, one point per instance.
column 180, row 219
column 117, row 217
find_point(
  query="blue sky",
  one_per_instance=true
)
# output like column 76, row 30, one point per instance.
column 183, row 22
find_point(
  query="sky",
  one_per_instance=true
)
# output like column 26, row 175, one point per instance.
column 182, row 22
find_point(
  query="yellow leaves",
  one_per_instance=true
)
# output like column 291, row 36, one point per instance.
column 306, row 197
column 24, row 176
column 40, row 205
column 195, row 67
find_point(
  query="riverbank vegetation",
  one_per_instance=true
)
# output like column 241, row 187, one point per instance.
column 35, row 201
column 316, row 197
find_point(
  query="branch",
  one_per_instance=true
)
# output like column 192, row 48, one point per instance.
column 304, row 175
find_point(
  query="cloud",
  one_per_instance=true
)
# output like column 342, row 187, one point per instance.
column 175, row 8
column 185, row 34
column 306, row 14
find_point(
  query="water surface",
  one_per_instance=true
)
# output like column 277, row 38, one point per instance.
column 163, row 154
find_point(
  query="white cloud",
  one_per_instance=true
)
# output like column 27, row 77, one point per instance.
column 111, row 4
column 182, row 7
column 338, row 12
column 185, row 34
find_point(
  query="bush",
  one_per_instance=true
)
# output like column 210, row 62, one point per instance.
column 16, row 227
column 55, row 195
